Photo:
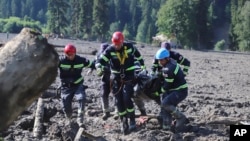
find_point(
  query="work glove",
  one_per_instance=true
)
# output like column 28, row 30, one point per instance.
column 99, row 71
column 143, row 67
column 156, row 93
column 185, row 71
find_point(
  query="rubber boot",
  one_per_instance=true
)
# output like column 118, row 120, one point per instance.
column 80, row 112
column 125, row 127
column 132, row 124
column 143, row 112
column 166, row 120
column 141, row 106
column 68, row 115
column 181, row 119
column 80, row 116
column 105, row 108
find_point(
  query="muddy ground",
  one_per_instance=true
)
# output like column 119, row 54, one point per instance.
column 218, row 96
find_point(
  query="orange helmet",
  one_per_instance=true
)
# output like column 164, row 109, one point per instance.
column 117, row 38
column 69, row 48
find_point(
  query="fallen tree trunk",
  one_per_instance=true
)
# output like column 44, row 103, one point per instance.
column 28, row 67
column 224, row 120
column 38, row 124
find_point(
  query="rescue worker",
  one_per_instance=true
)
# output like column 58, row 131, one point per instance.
column 105, row 87
column 121, row 56
column 174, row 90
column 70, row 69
column 174, row 55
column 105, row 84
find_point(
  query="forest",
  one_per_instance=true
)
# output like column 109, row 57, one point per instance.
column 196, row 24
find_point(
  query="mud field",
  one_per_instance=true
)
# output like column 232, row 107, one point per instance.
column 218, row 96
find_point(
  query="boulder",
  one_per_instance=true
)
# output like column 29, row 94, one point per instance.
column 28, row 66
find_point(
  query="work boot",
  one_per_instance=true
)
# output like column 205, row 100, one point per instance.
column 132, row 125
column 125, row 127
column 106, row 115
column 181, row 119
column 79, row 119
column 143, row 112
column 166, row 120
column 68, row 115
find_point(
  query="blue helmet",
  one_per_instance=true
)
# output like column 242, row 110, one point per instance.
column 162, row 53
column 103, row 46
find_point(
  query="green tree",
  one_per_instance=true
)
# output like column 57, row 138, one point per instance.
column 204, row 33
column 5, row 8
column 177, row 17
column 243, row 28
column 15, row 8
column 86, row 18
column 132, row 25
column 57, row 22
column 147, row 28
column 239, row 23
column 100, row 19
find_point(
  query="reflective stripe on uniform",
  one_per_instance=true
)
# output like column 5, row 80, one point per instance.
column 65, row 66
column 131, row 110
column 78, row 80
column 122, row 113
column 186, row 67
column 104, row 58
column 182, row 60
column 169, row 80
column 78, row 66
column 130, row 68
column 180, row 87
column 176, row 69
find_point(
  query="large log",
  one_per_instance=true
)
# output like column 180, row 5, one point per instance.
column 38, row 124
column 28, row 67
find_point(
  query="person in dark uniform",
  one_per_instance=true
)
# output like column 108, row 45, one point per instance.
column 70, row 69
column 121, row 56
column 105, row 86
column 174, row 90
column 174, row 55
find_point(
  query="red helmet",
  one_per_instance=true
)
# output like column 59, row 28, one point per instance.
column 117, row 38
column 69, row 48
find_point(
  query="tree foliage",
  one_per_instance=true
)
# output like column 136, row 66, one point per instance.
column 173, row 19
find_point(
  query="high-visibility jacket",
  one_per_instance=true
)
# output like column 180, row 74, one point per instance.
column 70, row 70
column 174, row 78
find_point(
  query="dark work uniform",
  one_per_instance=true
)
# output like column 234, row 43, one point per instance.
column 123, row 73
column 174, row 91
column 105, row 86
column 178, row 58
column 72, row 82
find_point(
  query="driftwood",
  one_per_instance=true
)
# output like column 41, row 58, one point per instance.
column 224, row 120
column 38, row 124
column 81, row 133
column 28, row 67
